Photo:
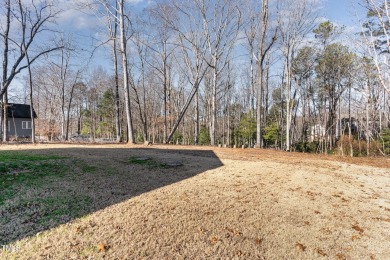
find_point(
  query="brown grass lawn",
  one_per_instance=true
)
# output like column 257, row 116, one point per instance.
column 105, row 201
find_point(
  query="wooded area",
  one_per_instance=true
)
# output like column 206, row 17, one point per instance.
column 209, row 72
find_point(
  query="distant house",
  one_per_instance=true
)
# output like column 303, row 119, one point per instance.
column 317, row 132
column 19, row 120
column 354, row 124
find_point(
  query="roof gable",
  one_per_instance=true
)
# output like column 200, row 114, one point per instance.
column 19, row 111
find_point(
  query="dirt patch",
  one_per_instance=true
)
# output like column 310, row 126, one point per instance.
column 221, row 203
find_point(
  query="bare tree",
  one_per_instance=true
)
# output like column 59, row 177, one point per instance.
column 116, row 15
column 29, row 21
column 186, row 23
column 376, row 32
column 163, row 47
column 123, row 42
column 221, row 24
column 110, row 15
column 264, row 48
column 140, row 96
column 294, row 24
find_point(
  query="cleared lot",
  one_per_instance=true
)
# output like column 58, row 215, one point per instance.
column 117, row 201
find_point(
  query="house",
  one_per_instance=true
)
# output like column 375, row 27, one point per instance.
column 317, row 132
column 345, row 124
column 19, row 120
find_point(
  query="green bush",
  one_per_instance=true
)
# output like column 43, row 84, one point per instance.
column 204, row 136
column 247, row 127
column 306, row 147
column 384, row 141
column 177, row 137
column 139, row 138
column 271, row 134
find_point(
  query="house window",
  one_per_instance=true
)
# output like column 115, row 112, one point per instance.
column 26, row 124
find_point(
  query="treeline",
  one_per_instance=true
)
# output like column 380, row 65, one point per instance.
column 212, row 72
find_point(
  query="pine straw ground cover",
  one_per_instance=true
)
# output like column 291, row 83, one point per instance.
column 125, row 202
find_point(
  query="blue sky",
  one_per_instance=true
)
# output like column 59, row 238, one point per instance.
column 343, row 12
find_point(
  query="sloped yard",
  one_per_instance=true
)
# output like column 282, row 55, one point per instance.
column 121, row 202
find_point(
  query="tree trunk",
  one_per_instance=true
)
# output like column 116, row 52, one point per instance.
column 5, row 69
column 116, row 78
column 69, row 106
column 5, row 117
column 30, row 81
column 197, row 118
column 368, row 101
column 130, row 134
column 213, row 106
column 288, row 101
column 263, row 51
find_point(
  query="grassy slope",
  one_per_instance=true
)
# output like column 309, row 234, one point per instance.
column 27, row 201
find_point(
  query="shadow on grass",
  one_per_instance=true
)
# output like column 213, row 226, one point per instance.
column 43, row 188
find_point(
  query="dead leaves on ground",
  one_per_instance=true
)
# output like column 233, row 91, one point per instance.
column 313, row 195
column 321, row 252
column 103, row 247
column 80, row 229
column 300, row 247
column 235, row 232
column 382, row 219
column 201, row 230
column 213, row 240
column 355, row 237
column 326, row 231
column 238, row 253
column 258, row 241
column 357, row 228
column 341, row 257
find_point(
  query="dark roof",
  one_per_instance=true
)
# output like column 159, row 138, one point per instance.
column 19, row 111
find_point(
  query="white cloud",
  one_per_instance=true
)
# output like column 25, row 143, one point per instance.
column 77, row 15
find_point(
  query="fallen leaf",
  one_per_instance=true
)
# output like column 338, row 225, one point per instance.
column 237, row 233
column 354, row 237
column 92, row 224
column 238, row 253
column 258, row 241
column 320, row 252
column 340, row 257
column 103, row 247
column 357, row 228
column 80, row 229
column 74, row 244
column 229, row 229
column 300, row 247
column 214, row 240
